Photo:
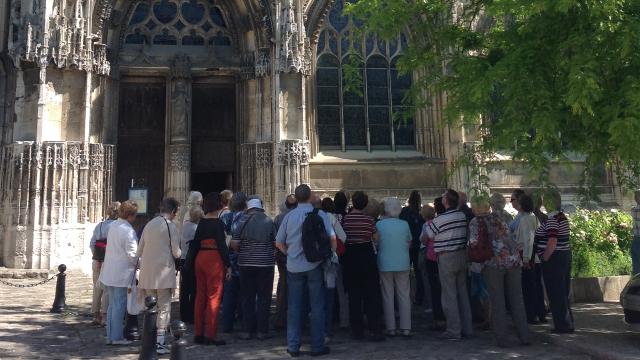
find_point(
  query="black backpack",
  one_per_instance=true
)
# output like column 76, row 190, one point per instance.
column 315, row 241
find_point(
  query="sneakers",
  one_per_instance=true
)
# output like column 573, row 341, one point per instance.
column 293, row 353
column 162, row 349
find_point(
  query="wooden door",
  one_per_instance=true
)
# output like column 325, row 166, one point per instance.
column 141, row 145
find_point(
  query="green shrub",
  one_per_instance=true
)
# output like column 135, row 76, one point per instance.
column 601, row 243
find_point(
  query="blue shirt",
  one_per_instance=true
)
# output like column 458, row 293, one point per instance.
column 393, row 247
column 290, row 234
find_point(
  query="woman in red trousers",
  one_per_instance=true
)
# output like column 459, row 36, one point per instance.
column 208, row 261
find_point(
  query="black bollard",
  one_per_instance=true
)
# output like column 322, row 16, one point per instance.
column 59, row 302
column 179, row 346
column 131, row 331
column 149, row 330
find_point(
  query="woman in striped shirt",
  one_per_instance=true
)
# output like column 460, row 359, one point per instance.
column 360, row 267
column 554, row 250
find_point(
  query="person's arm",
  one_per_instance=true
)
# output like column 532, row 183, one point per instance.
column 281, row 236
column 221, row 242
column 340, row 234
column 94, row 237
column 329, row 228
column 131, row 246
column 552, row 238
column 374, row 232
column 175, row 241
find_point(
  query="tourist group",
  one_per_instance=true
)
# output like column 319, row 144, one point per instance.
column 345, row 262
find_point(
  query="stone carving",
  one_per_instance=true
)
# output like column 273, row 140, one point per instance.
column 62, row 37
column 295, row 49
column 293, row 152
column 316, row 13
column 179, row 157
column 180, row 97
column 262, row 67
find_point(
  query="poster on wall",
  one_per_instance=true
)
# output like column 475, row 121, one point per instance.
column 140, row 196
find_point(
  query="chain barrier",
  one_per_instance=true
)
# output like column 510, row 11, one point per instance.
column 6, row 283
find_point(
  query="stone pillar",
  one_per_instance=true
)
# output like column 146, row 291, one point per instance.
column 293, row 60
column 178, row 168
column 52, row 194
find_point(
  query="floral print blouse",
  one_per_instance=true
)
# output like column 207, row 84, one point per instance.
column 506, row 252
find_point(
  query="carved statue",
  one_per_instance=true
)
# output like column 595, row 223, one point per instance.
column 181, row 106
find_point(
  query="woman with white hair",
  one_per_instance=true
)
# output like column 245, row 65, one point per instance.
column 195, row 199
column 394, row 264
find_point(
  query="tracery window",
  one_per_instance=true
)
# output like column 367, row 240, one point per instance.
column 178, row 22
column 374, row 117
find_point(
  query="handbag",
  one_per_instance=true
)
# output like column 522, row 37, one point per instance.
column 135, row 297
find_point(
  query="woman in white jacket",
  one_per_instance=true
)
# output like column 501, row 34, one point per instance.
column 524, row 228
column 118, row 269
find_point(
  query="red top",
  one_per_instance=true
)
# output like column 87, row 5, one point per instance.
column 358, row 227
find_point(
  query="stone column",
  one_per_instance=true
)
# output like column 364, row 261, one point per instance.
column 293, row 57
column 178, row 169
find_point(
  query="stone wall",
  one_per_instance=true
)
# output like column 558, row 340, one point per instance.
column 379, row 177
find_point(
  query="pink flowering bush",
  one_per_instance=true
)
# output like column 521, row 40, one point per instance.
column 601, row 242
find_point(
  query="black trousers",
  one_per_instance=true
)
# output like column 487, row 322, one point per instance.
column 256, row 286
column 436, row 290
column 362, row 283
column 187, row 297
column 533, row 293
column 414, row 253
column 557, row 280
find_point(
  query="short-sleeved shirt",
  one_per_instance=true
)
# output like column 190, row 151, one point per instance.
column 358, row 227
column 290, row 234
column 393, row 247
column 557, row 226
column 448, row 231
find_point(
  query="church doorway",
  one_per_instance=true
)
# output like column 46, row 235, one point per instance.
column 213, row 136
column 141, row 139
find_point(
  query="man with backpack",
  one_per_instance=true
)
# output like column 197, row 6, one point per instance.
column 305, row 236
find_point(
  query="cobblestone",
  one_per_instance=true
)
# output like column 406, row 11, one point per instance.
column 29, row 331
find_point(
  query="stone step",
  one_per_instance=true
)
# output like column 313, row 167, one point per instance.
column 8, row 273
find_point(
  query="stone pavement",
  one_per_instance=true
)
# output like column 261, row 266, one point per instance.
column 600, row 332
column 29, row 331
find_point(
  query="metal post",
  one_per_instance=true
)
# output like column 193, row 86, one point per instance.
column 131, row 331
column 179, row 346
column 59, row 302
column 149, row 330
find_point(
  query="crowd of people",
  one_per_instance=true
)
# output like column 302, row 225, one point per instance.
column 344, row 261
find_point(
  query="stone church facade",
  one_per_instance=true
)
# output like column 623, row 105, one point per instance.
column 97, row 96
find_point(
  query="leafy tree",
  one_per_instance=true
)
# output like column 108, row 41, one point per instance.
column 542, row 79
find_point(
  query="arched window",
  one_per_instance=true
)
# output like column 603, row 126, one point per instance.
column 197, row 23
column 374, row 116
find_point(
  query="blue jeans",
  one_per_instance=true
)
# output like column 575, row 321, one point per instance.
column 313, row 281
column 330, row 298
column 635, row 255
column 115, row 312
column 230, row 300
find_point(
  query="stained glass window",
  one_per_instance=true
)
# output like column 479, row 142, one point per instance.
column 376, row 116
column 177, row 22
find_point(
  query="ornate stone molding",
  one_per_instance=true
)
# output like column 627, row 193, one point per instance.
column 295, row 49
column 316, row 14
column 62, row 38
column 179, row 157
column 293, row 152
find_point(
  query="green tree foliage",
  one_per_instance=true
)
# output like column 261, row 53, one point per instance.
column 543, row 79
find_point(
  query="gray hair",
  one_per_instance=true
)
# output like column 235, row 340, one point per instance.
column 392, row 207
column 195, row 198
column 195, row 214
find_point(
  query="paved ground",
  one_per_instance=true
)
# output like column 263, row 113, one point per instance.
column 29, row 331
